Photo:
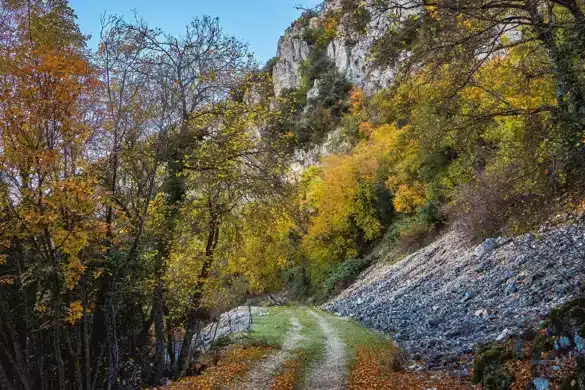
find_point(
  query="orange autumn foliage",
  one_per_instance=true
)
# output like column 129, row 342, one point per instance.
column 408, row 198
column 287, row 379
column 356, row 97
column 370, row 373
column 44, row 139
column 235, row 362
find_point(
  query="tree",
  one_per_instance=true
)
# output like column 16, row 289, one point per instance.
column 50, row 201
column 231, row 167
column 187, row 75
column 130, row 151
column 348, row 203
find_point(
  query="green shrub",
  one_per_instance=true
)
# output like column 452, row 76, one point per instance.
column 498, row 380
column 298, row 281
column 344, row 274
column 489, row 370
column 269, row 67
column 542, row 344
column 311, row 121
column 430, row 213
column 318, row 37
column 304, row 20
column 413, row 232
column 568, row 319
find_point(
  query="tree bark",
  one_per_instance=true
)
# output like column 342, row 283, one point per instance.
column 171, row 349
column 569, row 88
column 195, row 314
column 112, row 342
column 158, row 315
column 86, row 346
column 4, row 381
column 19, row 358
column 58, row 355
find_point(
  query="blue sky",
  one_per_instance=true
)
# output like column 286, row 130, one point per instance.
column 258, row 22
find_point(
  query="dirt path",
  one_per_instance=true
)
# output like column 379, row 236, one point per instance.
column 262, row 375
column 330, row 373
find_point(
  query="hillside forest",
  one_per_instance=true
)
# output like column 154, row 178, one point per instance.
column 150, row 185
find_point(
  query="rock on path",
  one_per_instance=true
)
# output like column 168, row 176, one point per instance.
column 330, row 373
column 262, row 375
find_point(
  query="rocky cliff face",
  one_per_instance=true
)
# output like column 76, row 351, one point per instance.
column 334, row 143
column 292, row 52
column 350, row 55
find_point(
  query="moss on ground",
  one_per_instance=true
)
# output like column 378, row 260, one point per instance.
column 489, row 367
column 568, row 319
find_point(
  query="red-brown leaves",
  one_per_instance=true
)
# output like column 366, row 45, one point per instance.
column 369, row 373
column 233, row 364
column 287, row 379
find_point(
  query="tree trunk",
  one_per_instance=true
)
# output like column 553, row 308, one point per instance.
column 86, row 347
column 569, row 88
column 112, row 343
column 158, row 315
column 175, row 189
column 4, row 381
column 143, row 339
column 183, row 364
column 58, row 356
column 171, row 349
column 195, row 314
column 20, row 361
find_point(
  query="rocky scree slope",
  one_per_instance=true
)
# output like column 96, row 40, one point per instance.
column 441, row 301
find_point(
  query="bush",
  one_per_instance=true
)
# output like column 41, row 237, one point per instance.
column 311, row 121
column 568, row 319
column 414, row 232
column 304, row 20
column 269, row 67
column 319, row 37
column 489, row 370
column 497, row 204
column 298, row 282
column 333, row 90
column 344, row 274
column 324, row 113
column 431, row 213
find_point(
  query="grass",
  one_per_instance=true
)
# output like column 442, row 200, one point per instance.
column 271, row 328
column 312, row 345
column 370, row 355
